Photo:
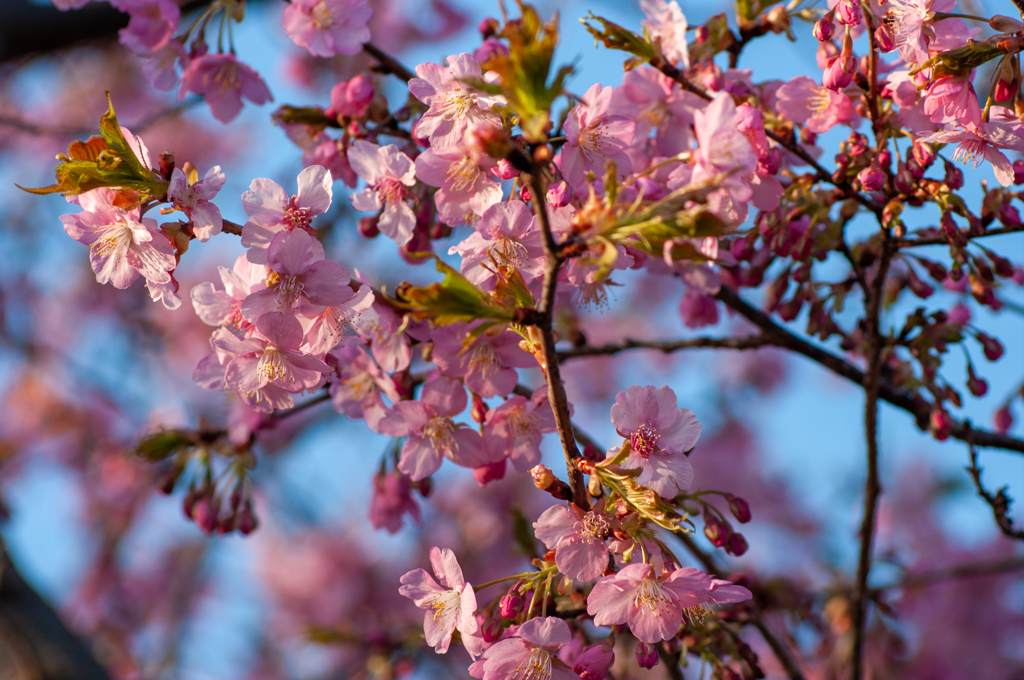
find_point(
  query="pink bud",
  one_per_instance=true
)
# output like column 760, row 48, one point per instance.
column 839, row 72
column 884, row 159
column 205, row 515
column 524, row 193
column 848, row 12
column 976, row 385
column 368, row 226
column 646, row 655
column 492, row 630
column 770, row 163
column 824, row 29
column 425, row 487
column 951, row 231
column 1003, row 24
column 960, row 314
column 939, row 423
column 504, row 170
column 488, row 27
column 479, row 410
column 917, row 286
column 489, row 49
column 737, row 545
column 924, row 154
column 715, row 529
column 885, row 37
column 360, row 93
column 559, row 194
column 594, row 662
column 739, row 508
column 871, row 178
column 1018, row 172
column 592, row 453
column 1003, row 420
column 954, row 178
column 511, row 604
column 904, row 179
column 485, row 474
column 993, row 348
column 1004, row 91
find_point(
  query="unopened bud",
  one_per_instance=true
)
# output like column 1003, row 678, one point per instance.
column 425, row 486
column 646, row 655
column 977, row 386
column 368, row 226
column 1004, row 24
column 824, row 29
column 166, row 164
column 504, row 170
column 739, row 508
column 543, row 477
column 204, row 514
column 480, row 409
column 924, row 154
column 871, row 178
column 1003, row 420
column 993, row 348
column 594, row 662
column 485, row 474
column 559, row 194
column 511, row 604
column 716, row 530
column 736, row 545
column 939, row 423
column 1018, row 172
column 491, row 630
column 524, row 193
column 848, row 12
column 954, row 178
column 592, row 453
column 488, row 27
column 904, row 179
column 885, row 36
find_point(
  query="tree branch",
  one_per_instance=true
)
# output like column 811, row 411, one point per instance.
column 940, row 240
column 927, row 578
column 782, row 337
column 872, row 485
column 666, row 346
column 388, row 64
column 1000, row 502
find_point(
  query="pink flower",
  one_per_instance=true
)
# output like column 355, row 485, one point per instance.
column 270, row 210
column 487, row 361
column 505, row 233
column 595, row 137
column 595, row 661
column 466, row 188
column 224, row 81
column 666, row 21
column 325, row 325
column 801, row 100
column 357, row 390
column 698, row 309
column 660, row 434
column 953, row 100
column 530, row 653
column 159, row 67
column 351, row 98
column 577, row 538
column 210, row 374
column 431, row 433
column 328, row 27
column 654, row 607
column 454, row 105
column 392, row 500
column 332, row 154
column 387, row 172
column 516, row 427
column 121, row 244
column 223, row 307
column 723, row 148
column 272, row 356
column 151, row 26
column 379, row 325
column 909, row 20
column 978, row 143
column 450, row 604
column 655, row 101
column 192, row 196
column 303, row 276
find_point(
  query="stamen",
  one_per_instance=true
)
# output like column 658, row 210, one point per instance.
column 645, row 440
column 536, row 667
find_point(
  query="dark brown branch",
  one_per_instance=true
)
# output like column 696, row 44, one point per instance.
column 666, row 346
column 388, row 64
column 928, row 578
column 232, row 228
column 872, row 485
column 1000, row 502
column 34, row 643
column 556, row 390
column 940, row 240
column 781, row 337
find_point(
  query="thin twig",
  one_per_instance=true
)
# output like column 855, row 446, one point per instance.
column 232, row 228
column 782, row 337
column 872, row 485
column 666, row 346
column 940, row 240
column 928, row 578
column 388, row 63
column 1000, row 502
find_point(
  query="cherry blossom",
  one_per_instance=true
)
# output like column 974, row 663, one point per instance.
column 272, row 212
column 387, row 172
column 577, row 538
column 595, row 137
column 122, row 245
column 530, row 653
column 151, row 26
column 450, row 601
column 723, row 148
column 505, row 235
column 328, row 27
column 223, row 81
column 326, row 324
column 467, row 188
column 975, row 144
column 667, row 23
column 656, row 102
column 432, row 435
column 359, row 385
column 516, row 427
column 454, row 104
column 659, row 434
column 487, row 361
column 272, row 356
column 193, row 197
column 223, row 307
column 802, row 100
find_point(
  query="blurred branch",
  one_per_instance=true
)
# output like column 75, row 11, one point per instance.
column 927, row 578
column 940, row 240
column 34, row 643
column 57, row 131
column 387, row 63
column 782, row 337
column 1000, row 502
column 666, row 346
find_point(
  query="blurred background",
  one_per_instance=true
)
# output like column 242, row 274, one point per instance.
column 85, row 370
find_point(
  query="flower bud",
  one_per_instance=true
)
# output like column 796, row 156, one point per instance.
column 839, row 72
column 1003, row 24
column 884, row 159
column 504, row 169
column 594, row 662
column 543, row 477
column 205, row 515
column 739, row 508
column 924, row 154
column 1004, row 90
column 488, row 27
column 524, row 193
column 559, row 194
column 977, row 386
column 425, row 487
column 700, row 34
column 166, row 164
column 646, row 655
column 993, row 348
column 480, row 409
column 904, row 179
column 871, row 178
column 959, row 315
column 737, row 545
column 715, row 529
column 770, row 163
column 247, row 521
column 1018, row 172
column 491, row 630
column 1003, row 420
column 512, row 604
column 951, row 231
column 824, row 29
column 592, row 453
column 360, row 94
column 939, row 423
column 848, row 12
column 885, row 37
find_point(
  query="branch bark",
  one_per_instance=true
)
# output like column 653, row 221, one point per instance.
column 666, row 346
column 782, row 337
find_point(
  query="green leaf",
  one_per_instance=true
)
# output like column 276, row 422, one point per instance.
column 453, row 300
column 164, row 444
